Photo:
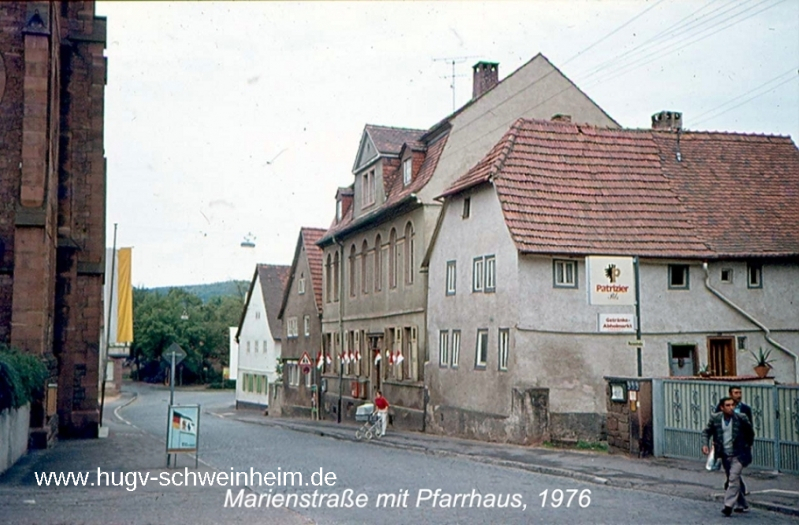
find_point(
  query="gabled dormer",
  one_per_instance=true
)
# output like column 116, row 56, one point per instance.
column 343, row 202
column 411, row 157
column 376, row 163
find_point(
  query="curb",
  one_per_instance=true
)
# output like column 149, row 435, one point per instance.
column 539, row 469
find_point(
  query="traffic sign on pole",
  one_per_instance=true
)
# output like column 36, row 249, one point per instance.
column 175, row 351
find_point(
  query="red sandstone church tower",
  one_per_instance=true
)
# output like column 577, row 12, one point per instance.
column 52, row 202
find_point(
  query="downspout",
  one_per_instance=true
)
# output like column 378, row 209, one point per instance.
column 754, row 321
column 340, row 328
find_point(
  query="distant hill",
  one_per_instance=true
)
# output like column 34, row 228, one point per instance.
column 207, row 291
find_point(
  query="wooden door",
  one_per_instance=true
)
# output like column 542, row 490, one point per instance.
column 721, row 356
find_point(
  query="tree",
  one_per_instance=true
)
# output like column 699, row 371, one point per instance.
column 159, row 321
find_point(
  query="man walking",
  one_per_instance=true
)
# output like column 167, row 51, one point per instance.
column 732, row 437
column 740, row 406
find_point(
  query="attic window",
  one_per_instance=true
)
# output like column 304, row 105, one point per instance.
column 301, row 284
column 726, row 275
column 368, row 188
column 407, row 171
column 467, row 207
column 755, row 275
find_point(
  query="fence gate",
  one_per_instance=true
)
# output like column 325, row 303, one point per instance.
column 681, row 409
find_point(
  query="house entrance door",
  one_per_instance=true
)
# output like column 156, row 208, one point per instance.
column 375, row 345
column 721, row 356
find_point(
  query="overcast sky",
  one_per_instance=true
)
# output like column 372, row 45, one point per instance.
column 229, row 119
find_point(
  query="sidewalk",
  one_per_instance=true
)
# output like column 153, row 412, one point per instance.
column 684, row 478
column 138, row 455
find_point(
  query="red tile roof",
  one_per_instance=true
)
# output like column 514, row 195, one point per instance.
column 314, row 254
column 389, row 140
column 396, row 192
column 573, row 189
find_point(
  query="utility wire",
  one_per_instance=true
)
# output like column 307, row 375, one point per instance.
column 647, row 43
column 744, row 102
column 669, row 49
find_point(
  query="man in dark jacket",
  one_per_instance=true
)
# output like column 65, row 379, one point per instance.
column 740, row 406
column 732, row 437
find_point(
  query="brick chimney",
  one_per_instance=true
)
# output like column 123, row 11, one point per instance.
column 668, row 120
column 486, row 76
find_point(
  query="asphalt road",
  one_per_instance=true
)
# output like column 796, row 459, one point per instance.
column 424, row 488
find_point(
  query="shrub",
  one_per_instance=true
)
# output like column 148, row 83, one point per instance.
column 22, row 377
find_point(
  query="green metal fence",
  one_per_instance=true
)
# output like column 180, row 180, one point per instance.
column 681, row 409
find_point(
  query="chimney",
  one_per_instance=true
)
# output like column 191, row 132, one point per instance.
column 561, row 118
column 486, row 76
column 667, row 120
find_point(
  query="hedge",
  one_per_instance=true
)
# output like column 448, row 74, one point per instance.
column 22, row 377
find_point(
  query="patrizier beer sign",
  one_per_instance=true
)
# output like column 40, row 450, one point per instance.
column 611, row 280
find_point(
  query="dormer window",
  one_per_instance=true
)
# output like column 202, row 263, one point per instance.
column 407, row 171
column 338, row 210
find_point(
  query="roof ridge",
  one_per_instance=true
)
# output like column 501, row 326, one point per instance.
column 393, row 127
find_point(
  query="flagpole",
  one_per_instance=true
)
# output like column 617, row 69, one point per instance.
column 108, row 325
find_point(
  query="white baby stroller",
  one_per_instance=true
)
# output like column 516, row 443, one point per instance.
column 371, row 422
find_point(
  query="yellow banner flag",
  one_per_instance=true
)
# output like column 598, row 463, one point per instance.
column 125, row 297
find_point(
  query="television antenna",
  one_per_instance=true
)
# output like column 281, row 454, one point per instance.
column 452, row 61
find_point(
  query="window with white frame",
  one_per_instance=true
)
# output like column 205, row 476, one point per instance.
column 451, row 277
column 478, row 267
column 307, row 380
column 264, row 345
column 407, row 172
column 248, row 347
column 409, row 253
column 301, row 284
column 678, row 277
column 291, row 330
column 754, row 272
column 481, row 349
column 306, row 325
column 503, row 343
column 255, row 346
column 443, row 348
column 368, row 188
column 455, row 353
column 564, row 274
column 294, row 373
column 491, row 273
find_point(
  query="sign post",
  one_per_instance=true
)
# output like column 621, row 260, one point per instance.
column 174, row 354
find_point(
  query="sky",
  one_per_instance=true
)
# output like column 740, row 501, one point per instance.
column 239, row 120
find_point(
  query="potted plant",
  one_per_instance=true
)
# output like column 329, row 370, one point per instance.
column 704, row 371
column 762, row 362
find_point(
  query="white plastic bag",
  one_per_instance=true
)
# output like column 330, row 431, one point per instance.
column 712, row 463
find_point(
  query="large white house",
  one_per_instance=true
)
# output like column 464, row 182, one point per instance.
column 259, row 336
column 519, row 348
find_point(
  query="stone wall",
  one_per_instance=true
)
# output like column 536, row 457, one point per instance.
column 629, row 421
column 527, row 424
column 14, row 425
column 52, row 195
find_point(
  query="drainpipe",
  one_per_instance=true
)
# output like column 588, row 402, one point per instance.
column 340, row 327
column 754, row 321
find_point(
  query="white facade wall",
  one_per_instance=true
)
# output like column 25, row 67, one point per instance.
column 461, row 240
column 258, row 352
column 234, row 354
